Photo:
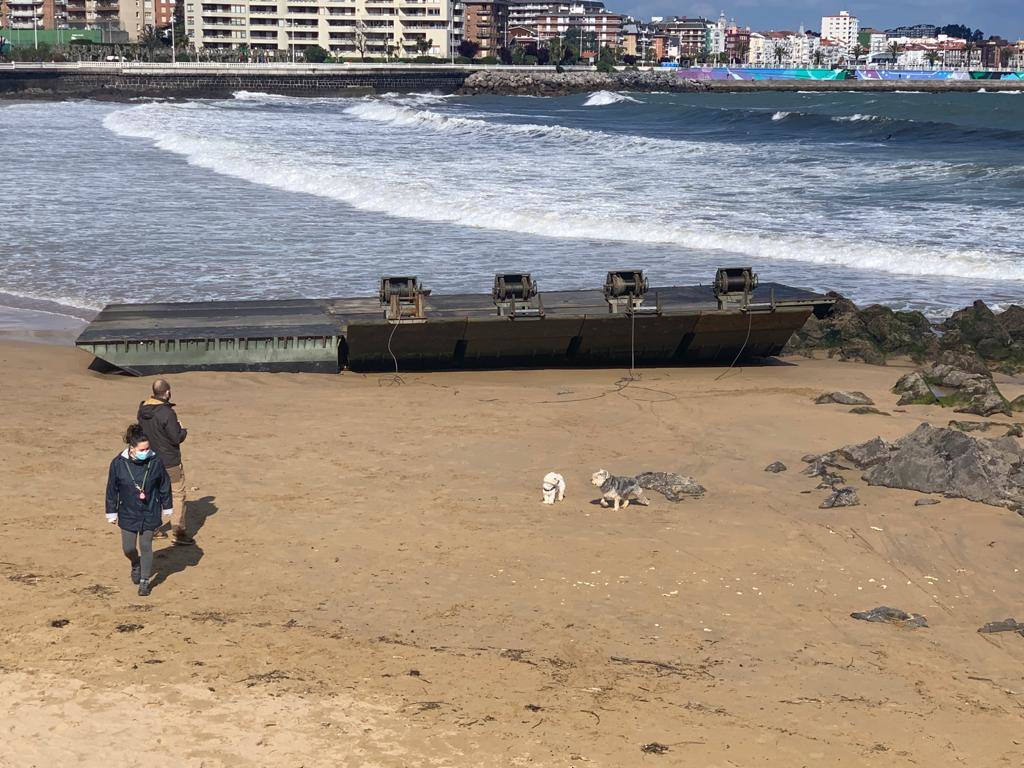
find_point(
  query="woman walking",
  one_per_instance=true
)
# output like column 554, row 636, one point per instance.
column 138, row 497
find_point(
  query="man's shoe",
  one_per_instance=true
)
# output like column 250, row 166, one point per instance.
column 182, row 539
column 136, row 573
column 144, row 588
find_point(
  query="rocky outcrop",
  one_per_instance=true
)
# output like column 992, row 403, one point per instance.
column 974, row 339
column 775, row 467
column 503, row 82
column 939, row 460
column 872, row 335
column 884, row 613
column 947, row 385
column 844, row 398
column 841, row 497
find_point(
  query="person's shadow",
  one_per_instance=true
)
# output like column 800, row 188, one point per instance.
column 175, row 559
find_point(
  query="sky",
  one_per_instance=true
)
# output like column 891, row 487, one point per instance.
column 998, row 17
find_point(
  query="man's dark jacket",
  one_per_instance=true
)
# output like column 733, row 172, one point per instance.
column 160, row 424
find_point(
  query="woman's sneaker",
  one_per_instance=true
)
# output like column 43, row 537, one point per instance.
column 136, row 574
column 143, row 587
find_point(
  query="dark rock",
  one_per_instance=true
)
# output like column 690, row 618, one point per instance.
column 976, row 327
column 864, row 410
column 674, row 487
column 859, row 455
column 809, row 458
column 1006, row 625
column 1012, row 430
column 776, row 467
column 872, row 334
column 844, row 398
column 948, row 386
column 914, row 390
column 58, row 623
column 654, row 748
column 128, row 627
column 925, row 502
column 938, row 460
column 884, row 613
column 841, row 497
column 1017, row 404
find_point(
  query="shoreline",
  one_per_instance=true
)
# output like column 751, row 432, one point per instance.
column 119, row 84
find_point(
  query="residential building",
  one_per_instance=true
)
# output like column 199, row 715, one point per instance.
column 757, row 51
column 842, row 29
column 371, row 29
column 916, row 31
column 33, row 14
column 714, row 34
column 737, row 44
column 524, row 13
column 588, row 31
column 873, row 40
column 485, row 22
column 687, row 38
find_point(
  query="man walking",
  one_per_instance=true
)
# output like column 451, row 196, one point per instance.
column 165, row 434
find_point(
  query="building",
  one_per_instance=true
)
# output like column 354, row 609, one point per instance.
column 590, row 32
column 842, row 29
column 687, row 38
column 33, row 14
column 737, row 44
column 915, row 31
column 873, row 40
column 524, row 13
column 485, row 22
column 355, row 29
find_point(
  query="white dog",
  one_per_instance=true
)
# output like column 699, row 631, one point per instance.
column 553, row 487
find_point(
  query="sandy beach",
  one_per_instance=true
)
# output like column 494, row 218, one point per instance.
column 376, row 582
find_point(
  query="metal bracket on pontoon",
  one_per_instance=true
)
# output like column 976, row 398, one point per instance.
column 515, row 295
column 624, row 290
column 734, row 287
column 402, row 299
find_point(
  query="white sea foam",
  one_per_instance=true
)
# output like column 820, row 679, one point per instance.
column 259, row 97
column 417, row 186
column 605, row 98
column 855, row 118
column 781, row 115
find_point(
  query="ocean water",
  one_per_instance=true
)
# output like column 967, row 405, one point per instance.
column 913, row 200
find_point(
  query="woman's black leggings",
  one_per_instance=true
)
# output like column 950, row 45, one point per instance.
column 145, row 539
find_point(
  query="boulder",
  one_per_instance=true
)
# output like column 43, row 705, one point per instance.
column 858, row 456
column 926, row 502
column 841, row 497
column 1017, row 404
column 672, row 486
column 776, row 467
column 914, row 390
column 1006, row 625
column 844, row 398
column 947, row 385
column 939, row 460
column 863, row 410
column 884, row 613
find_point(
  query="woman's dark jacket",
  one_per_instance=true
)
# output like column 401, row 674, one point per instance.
column 133, row 513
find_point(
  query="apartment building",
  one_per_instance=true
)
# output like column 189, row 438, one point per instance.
column 589, row 31
column 843, row 29
column 33, row 14
column 524, row 13
column 486, row 23
column 365, row 29
column 687, row 38
column 737, row 44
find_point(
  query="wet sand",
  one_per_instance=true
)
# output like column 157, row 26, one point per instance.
column 376, row 582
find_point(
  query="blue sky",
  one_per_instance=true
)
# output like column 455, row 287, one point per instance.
column 1000, row 17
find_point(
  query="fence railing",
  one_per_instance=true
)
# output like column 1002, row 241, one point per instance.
column 130, row 66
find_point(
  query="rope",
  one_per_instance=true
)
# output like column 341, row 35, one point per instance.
column 395, row 379
column 750, row 322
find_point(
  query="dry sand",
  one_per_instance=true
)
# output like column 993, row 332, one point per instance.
column 376, row 582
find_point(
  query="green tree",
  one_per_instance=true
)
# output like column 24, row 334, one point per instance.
column 179, row 35
column 315, row 54
column 780, row 53
column 422, row 46
column 895, row 49
column 606, row 60
column 818, row 56
column 932, row 57
column 468, row 48
column 858, row 51
column 556, row 51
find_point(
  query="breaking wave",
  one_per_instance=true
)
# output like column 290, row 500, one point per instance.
column 605, row 98
column 417, row 189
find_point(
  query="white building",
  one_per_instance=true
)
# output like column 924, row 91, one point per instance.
column 843, row 28
column 716, row 35
column 355, row 29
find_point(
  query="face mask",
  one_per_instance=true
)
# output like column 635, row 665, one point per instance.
column 144, row 455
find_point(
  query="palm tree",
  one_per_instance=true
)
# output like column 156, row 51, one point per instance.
column 817, row 57
column 895, row 49
column 932, row 57
column 780, row 54
column 858, row 51
column 969, row 47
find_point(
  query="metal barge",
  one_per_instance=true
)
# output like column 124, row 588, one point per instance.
column 409, row 328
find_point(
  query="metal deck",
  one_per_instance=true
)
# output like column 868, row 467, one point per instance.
column 682, row 325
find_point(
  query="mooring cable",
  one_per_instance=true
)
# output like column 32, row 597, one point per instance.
column 750, row 322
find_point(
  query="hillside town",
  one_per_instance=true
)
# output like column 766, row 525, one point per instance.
column 484, row 31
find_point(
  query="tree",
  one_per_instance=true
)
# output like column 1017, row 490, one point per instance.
column 895, row 49
column 315, row 54
column 178, row 25
column 422, row 46
column 932, row 57
column 606, row 60
column 969, row 48
column 818, row 56
column 1006, row 55
column 556, row 51
column 151, row 37
column 505, row 55
column 858, row 51
column 740, row 51
column 780, row 53
column 468, row 48
column 362, row 43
